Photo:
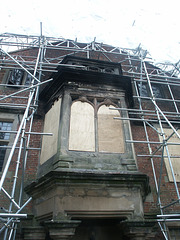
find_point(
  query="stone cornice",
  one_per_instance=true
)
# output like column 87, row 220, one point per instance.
column 95, row 178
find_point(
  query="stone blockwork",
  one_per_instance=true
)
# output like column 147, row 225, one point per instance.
column 89, row 193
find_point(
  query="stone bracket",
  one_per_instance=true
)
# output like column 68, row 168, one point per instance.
column 61, row 230
column 139, row 230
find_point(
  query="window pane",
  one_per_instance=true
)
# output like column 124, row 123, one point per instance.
column 82, row 135
column 157, row 91
column 110, row 133
column 142, row 90
column 28, row 79
column 5, row 126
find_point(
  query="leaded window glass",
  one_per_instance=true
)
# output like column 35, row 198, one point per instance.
column 16, row 77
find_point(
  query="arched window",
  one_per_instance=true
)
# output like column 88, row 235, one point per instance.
column 95, row 129
column 82, row 131
column 110, row 132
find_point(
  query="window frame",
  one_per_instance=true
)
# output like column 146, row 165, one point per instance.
column 118, row 98
column 24, row 80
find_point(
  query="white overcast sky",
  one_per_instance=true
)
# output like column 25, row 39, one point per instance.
column 155, row 24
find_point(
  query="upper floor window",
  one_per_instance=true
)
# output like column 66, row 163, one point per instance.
column 144, row 90
column 93, row 127
column 17, row 77
column 5, row 127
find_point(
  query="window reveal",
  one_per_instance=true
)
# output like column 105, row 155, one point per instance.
column 87, row 125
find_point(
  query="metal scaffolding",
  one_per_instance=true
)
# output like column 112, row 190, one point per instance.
column 135, row 63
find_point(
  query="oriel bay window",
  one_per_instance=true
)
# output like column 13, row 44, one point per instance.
column 93, row 127
column 78, row 112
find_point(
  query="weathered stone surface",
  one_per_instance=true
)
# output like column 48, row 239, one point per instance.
column 139, row 230
column 71, row 194
column 61, row 230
